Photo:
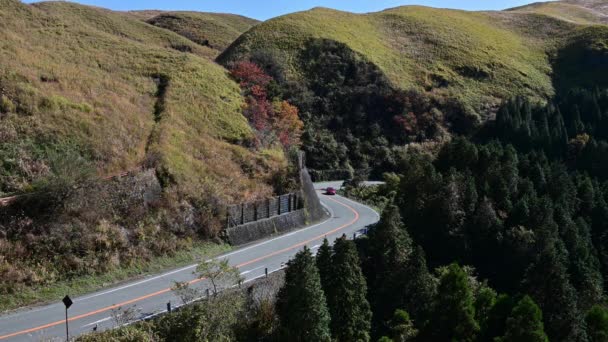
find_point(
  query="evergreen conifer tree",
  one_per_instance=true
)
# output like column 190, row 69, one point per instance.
column 324, row 265
column 390, row 248
column 301, row 303
column 350, row 311
column 454, row 314
column 597, row 324
column 525, row 324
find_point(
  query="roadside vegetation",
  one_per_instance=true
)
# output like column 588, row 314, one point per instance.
column 50, row 291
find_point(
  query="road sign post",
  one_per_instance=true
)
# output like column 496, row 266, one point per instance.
column 67, row 301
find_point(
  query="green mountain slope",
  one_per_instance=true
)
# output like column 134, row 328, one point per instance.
column 120, row 93
column 214, row 30
column 369, row 83
column 476, row 58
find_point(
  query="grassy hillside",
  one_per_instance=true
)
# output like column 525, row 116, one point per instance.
column 575, row 11
column 145, row 14
column 597, row 5
column 87, row 93
column 213, row 30
column 120, row 93
column 582, row 60
column 456, row 54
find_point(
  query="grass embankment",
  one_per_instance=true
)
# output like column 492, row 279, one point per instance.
column 88, row 284
column 214, row 30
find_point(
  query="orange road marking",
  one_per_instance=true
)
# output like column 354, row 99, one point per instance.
column 138, row 299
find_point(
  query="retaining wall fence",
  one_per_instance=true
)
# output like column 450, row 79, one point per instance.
column 244, row 213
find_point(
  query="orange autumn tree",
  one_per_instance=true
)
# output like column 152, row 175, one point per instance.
column 287, row 124
column 272, row 119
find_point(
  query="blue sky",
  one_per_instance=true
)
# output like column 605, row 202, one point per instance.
column 265, row 9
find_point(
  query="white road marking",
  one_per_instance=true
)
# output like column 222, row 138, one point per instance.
column 97, row 322
column 251, row 270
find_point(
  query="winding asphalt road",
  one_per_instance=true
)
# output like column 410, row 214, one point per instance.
column 150, row 295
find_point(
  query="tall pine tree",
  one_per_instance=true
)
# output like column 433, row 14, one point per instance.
column 525, row 324
column 324, row 265
column 301, row 303
column 454, row 314
column 419, row 288
column 548, row 283
column 389, row 250
column 350, row 311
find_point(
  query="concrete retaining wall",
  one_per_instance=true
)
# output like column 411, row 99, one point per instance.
column 313, row 212
column 311, row 199
column 277, row 225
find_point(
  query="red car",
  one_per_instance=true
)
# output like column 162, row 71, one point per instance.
column 330, row 191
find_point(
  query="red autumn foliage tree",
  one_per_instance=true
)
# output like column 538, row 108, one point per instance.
column 250, row 74
column 258, row 111
column 279, row 120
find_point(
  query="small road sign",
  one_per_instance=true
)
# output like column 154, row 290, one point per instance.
column 67, row 301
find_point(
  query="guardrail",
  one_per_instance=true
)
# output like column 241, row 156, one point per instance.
column 243, row 213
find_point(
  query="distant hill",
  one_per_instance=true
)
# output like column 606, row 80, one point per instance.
column 214, row 30
column 120, row 93
column 600, row 6
column 478, row 58
column 581, row 12
column 145, row 14
column 370, row 83
column 470, row 56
